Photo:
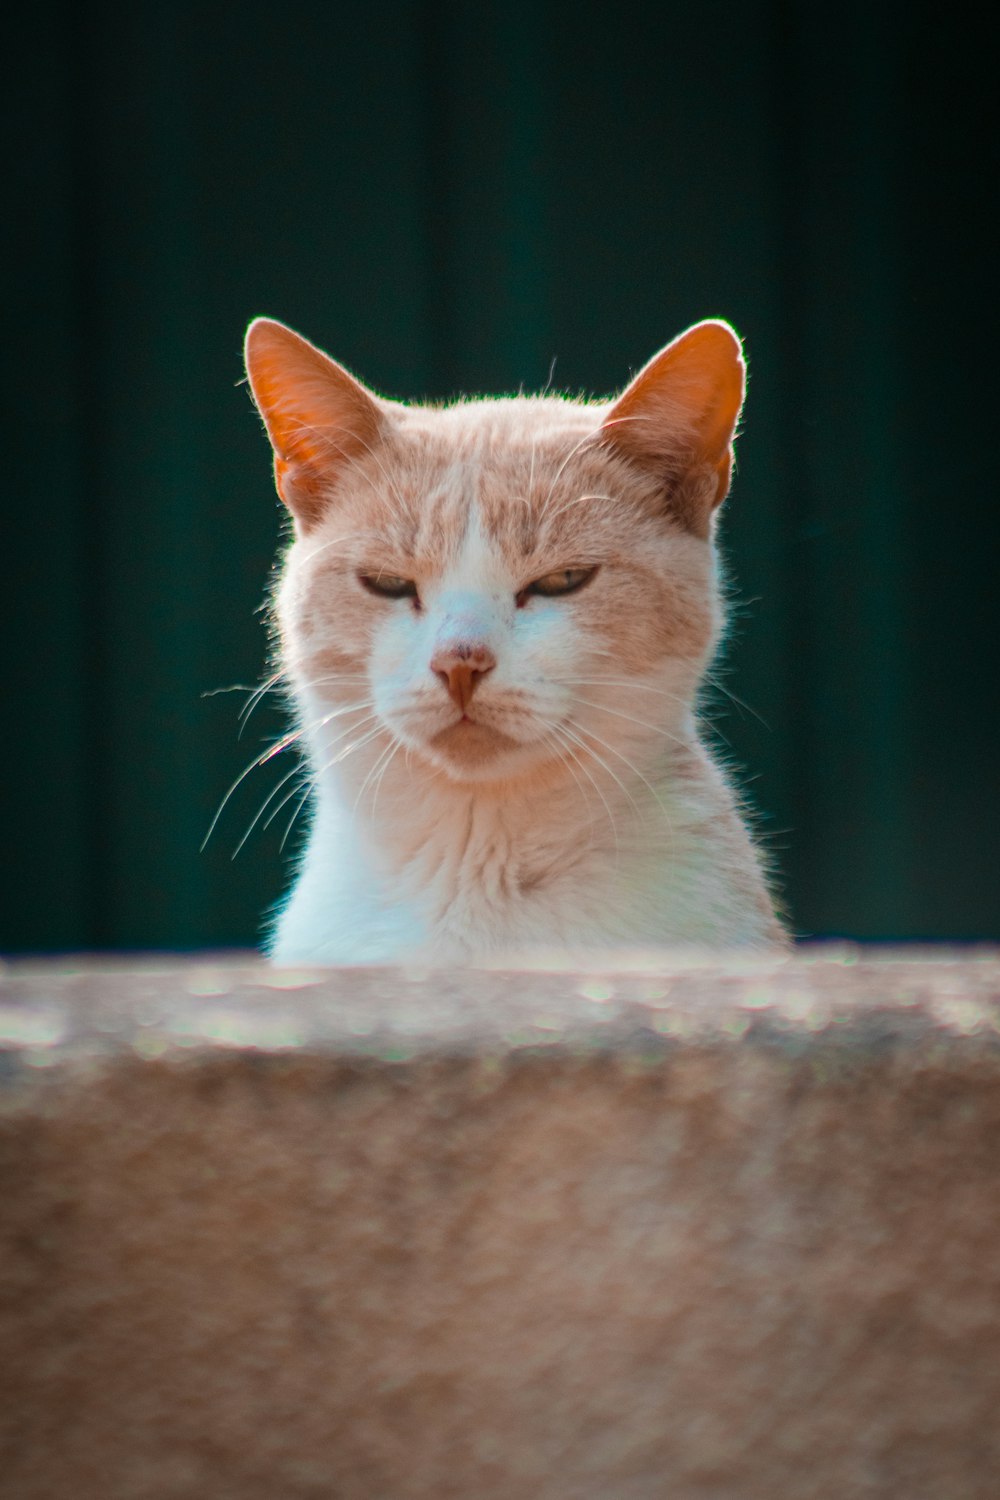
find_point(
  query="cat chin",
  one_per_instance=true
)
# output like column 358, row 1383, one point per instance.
column 478, row 752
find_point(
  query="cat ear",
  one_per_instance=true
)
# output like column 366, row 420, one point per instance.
column 317, row 416
column 678, row 419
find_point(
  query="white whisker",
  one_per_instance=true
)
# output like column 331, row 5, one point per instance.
column 575, row 733
column 643, row 723
column 298, row 808
column 388, row 749
column 565, row 757
column 295, row 771
column 574, row 500
column 565, row 731
column 325, row 437
column 256, row 698
column 623, row 682
column 720, row 687
column 334, row 541
column 634, row 769
column 588, row 438
column 381, row 777
column 259, row 760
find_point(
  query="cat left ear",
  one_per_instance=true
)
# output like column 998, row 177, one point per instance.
column 317, row 415
column 678, row 419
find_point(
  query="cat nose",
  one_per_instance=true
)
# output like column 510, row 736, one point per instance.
column 462, row 667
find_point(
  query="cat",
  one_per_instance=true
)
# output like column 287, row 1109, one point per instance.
column 493, row 619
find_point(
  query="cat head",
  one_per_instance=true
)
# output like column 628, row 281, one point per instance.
column 499, row 584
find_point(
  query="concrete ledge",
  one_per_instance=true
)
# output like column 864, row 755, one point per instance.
column 691, row 1229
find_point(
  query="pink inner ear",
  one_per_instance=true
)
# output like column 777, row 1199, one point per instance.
column 316, row 414
column 681, row 410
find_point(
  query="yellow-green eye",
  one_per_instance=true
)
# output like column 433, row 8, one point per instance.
column 562, row 581
column 388, row 586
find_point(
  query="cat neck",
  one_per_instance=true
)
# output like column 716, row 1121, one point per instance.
column 404, row 861
column 421, row 825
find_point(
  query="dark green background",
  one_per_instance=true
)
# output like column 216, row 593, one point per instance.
column 447, row 197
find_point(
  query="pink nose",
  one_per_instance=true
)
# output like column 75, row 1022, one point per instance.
column 461, row 668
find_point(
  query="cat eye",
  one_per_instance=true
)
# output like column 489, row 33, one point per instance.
column 562, row 581
column 388, row 586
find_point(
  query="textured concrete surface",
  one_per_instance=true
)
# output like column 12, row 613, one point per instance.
column 727, row 1231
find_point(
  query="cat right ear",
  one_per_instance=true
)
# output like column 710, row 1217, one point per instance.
column 678, row 418
column 317, row 416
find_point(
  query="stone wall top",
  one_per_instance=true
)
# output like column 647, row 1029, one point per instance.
column 844, row 995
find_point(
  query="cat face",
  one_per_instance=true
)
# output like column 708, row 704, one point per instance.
column 489, row 606
column 496, row 586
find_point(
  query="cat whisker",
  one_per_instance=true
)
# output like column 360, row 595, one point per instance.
column 296, row 769
column 574, row 500
column 372, row 771
column 621, row 422
column 720, row 687
column 387, row 752
column 575, row 733
column 643, row 723
column 335, row 706
column 365, row 739
column 285, row 742
column 563, row 730
column 302, row 792
column 613, row 682
column 634, row 769
column 385, row 762
column 316, row 776
column 593, row 438
column 624, row 682
column 340, row 711
column 588, row 439
column 260, row 760
column 235, row 687
column 348, row 536
column 310, row 726
column 279, row 745
column 298, row 808
column 566, row 758
column 356, row 439
column 255, row 695
column 256, row 698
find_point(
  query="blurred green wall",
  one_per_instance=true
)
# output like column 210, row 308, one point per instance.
column 449, row 197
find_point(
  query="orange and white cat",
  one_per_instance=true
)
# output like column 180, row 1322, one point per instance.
column 494, row 619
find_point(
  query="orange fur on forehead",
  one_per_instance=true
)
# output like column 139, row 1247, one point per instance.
column 533, row 475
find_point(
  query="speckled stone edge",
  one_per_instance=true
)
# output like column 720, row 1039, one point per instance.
column 846, row 998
